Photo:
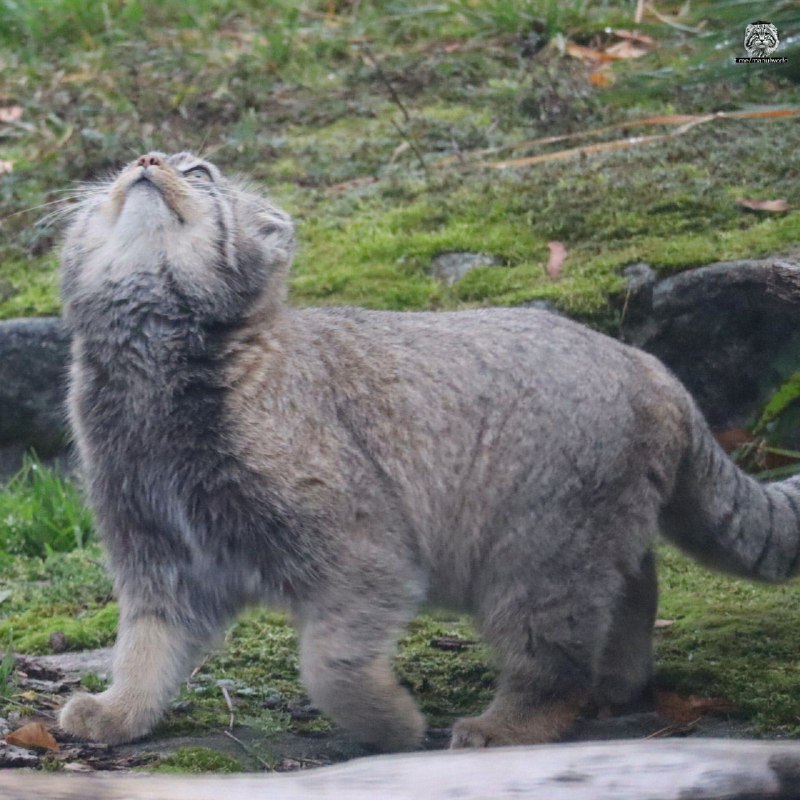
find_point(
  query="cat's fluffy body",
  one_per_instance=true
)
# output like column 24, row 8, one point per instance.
column 352, row 464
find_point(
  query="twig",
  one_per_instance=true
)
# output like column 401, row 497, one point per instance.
column 589, row 149
column 309, row 762
column 249, row 751
column 687, row 123
column 230, row 705
column 27, row 706
column 387, row 83
column 395, row 98
column 675, row 727
column 624, row 309
column 687, row 126
column 456, row 147
column 413, row 147
column 671, row 22
column 198, row 668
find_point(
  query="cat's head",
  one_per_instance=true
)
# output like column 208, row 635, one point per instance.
column 174, row 222
column 760, row 39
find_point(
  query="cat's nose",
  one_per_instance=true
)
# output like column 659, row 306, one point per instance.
column 149, row 160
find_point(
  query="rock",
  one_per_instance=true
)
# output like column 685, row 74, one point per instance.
column 34, row 354
column 72, row 666
column 729, row 331
column 12, row 756
column 451, row 267
column 58, row 642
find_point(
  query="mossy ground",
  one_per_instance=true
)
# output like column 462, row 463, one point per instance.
column 381, row 180
column 196, row 759
column 297, row 96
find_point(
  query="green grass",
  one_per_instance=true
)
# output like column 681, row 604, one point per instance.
column 7, row 685
column 41, row 513
column 290, row 94
column 731, row 639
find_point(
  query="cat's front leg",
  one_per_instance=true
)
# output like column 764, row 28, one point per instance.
column 151, row 658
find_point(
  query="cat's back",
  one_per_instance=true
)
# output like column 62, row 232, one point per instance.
column 414, row 389
column 490, row 349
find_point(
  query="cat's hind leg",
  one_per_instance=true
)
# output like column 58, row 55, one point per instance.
column 625, row 673
column 547, row 628
column 542, row 688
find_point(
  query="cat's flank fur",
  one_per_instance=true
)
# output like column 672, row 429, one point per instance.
column 350, row 465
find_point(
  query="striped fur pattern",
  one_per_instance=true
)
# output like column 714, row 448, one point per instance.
column 351, row 465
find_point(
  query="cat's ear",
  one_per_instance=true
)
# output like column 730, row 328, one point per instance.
column 275, row 227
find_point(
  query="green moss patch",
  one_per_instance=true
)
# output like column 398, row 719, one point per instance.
column 197, row 759
column 30, row 631
column 731, row 639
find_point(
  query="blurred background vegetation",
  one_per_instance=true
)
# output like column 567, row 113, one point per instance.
column 377, row 124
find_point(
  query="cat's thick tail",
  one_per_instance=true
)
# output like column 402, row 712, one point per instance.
column 728, row 520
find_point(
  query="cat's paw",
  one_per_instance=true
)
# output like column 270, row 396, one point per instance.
column 98, row 719
column 472, row 732
column 509, row 723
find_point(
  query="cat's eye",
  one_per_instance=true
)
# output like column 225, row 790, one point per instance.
column 199, row 172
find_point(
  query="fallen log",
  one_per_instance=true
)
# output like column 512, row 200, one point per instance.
column 689, row 769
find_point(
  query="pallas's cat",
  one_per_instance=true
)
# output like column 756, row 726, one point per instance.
column 350, row 465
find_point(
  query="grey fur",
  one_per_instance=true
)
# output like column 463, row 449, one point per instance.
column 353, row 464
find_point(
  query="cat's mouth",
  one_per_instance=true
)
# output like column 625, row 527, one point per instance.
column 147, row 181
column 150, row 183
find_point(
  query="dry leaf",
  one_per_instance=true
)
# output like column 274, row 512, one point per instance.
column 634, row 36
column 556, row 261
column 772, row 206
column 663, row 623
column 6, row 166
column 626, row 49
column 754, row 451
column 587, row 55
column 10, row 113
column 685, row 708
column 601, row 77
column 734, row 438
column 34, row 735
